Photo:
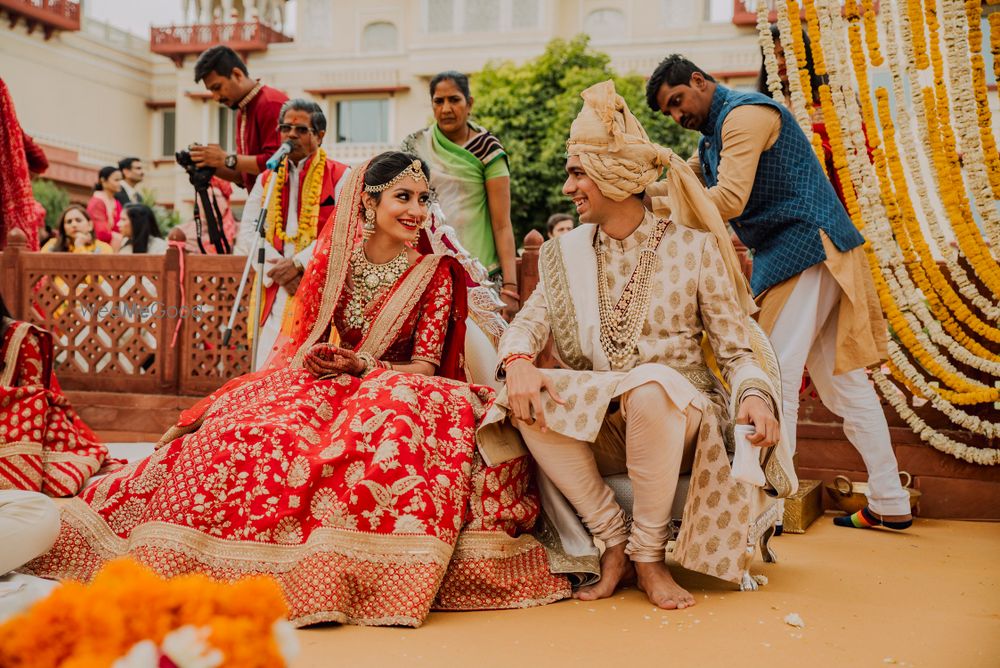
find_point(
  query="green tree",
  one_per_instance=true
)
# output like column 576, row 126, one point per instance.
column 530, row 108
column 53, row 198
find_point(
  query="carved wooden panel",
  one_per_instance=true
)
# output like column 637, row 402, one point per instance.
column 107, row 315
column 210, row 285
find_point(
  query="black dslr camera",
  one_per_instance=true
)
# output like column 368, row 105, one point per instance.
column 201, row 178
column 198, row 176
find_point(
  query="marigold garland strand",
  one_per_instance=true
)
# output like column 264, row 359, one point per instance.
column 878, row 194
column 902, row 62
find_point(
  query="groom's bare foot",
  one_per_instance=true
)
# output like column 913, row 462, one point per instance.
column 655, row 579
column 616, row 569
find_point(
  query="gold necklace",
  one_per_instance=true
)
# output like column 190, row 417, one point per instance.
column 371, row 282
column 621, row 323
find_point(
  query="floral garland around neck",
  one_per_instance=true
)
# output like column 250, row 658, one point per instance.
column 621, row 324
column 371, row 283
column 308, row 221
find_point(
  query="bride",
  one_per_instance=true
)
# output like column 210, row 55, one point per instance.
column 347, row 469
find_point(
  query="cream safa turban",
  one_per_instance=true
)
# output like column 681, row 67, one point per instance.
column 617, row 155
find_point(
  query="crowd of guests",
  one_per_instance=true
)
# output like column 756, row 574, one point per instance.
column 115, row 220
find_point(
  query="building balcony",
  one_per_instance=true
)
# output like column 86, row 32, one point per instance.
column 745, row 12
column 49, row 15
column 244, row 37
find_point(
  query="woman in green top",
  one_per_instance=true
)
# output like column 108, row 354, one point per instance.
column 470, row 175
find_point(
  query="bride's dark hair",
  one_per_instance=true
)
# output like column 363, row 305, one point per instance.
column 387, row 166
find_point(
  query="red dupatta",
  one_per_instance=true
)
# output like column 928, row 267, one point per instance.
column 18, row 208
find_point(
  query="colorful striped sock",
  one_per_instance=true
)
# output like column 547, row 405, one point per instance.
column 866, row 519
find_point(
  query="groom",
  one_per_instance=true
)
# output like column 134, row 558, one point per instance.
column 627, row 297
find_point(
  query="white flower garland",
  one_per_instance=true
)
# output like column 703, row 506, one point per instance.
column 959, row 277
column 891, row 261
column 896, row 398
column 956, row 415
column 767, row 48
column 965, row 117
column 863, row 176
column 801, row 110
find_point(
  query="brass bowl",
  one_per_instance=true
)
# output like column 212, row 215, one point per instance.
column 852, row 496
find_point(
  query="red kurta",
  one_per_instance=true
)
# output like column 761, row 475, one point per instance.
column 103, row 226
column 259, row 123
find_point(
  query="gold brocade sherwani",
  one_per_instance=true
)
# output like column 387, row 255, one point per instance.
column 690, row 294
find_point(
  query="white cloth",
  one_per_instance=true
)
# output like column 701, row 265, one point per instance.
column 29, row 525
column 271, row 327
column 805, row 335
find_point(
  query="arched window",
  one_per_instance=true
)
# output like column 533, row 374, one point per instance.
column 605, row 25
column 380, row 36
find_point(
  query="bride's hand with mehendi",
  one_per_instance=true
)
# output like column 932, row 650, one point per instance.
column 325, row 359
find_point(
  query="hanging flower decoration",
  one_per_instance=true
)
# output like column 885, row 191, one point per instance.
column 931, row 322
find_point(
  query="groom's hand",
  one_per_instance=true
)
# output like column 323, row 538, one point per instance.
column 756, row 411
column 524, row 392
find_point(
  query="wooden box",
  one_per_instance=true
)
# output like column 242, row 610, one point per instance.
column 803, row 507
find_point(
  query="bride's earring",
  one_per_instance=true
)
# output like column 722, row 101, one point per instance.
column 369, row 222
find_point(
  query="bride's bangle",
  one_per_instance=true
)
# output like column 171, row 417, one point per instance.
column 369, row 363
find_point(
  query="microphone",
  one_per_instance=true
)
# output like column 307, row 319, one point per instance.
column 279, row 155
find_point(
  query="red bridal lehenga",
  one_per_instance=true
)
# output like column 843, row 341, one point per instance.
column 366, row 499
column 44, row 445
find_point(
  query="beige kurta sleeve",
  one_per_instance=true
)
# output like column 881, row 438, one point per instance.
column 748, row 131
column 529, row 331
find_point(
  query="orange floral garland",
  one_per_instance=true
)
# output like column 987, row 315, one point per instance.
column 903, row 65
column 93, row 625
column 896, row 319
column 973, row 9
column 871, row 33
column 799, row 47
column 916, row 15
column 308, row 219
column 833, row 130
column 920, row 261
column 945, row 159
column 932, row 281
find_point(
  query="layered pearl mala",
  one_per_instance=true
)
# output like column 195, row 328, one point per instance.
column 621, row 323
column 371, row 281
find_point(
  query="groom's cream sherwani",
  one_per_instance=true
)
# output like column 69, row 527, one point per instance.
column 691, row 294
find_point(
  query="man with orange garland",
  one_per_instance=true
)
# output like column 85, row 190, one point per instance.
column 304, row 199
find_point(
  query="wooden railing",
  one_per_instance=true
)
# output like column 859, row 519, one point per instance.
column 148, row 324
column 50, row 15
column 176, row 42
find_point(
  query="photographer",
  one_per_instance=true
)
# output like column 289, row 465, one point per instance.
column 257, row 106
column 305, row 194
